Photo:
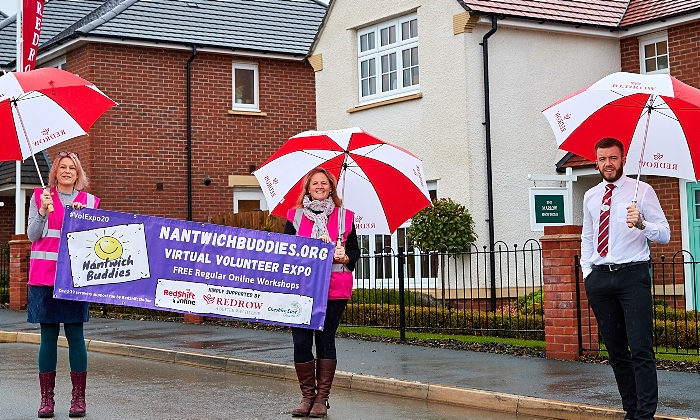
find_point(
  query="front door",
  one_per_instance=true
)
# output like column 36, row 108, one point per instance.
column 693, row 191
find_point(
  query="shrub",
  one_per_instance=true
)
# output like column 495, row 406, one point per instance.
column 447, row 321
column 531, row 304
column 391, row 297
column 445, row 224
column 681, row 335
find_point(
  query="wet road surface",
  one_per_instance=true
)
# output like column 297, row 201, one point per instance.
column 129, row 388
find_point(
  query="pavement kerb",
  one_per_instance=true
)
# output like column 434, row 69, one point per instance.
column 467, row 397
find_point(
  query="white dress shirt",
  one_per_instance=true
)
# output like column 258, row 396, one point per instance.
column 624, row 244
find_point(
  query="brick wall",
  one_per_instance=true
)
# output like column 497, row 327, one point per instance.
column 19, row 271
column 559, row 246
column 143, row 141
column 684, row 53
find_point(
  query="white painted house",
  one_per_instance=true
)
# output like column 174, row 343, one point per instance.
column 412, row 72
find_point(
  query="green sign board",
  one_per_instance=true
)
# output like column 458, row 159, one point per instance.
column 549, row 208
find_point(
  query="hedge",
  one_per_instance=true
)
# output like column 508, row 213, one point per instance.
column 447, row 321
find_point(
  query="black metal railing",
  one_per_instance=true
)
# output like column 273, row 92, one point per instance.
column 4, row 273
column 675, row 311
column 451, row 292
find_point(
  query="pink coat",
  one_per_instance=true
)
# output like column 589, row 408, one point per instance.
column 341, row 278
column 44, row 253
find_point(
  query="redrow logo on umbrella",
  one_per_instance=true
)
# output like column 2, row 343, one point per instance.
column 50, row 137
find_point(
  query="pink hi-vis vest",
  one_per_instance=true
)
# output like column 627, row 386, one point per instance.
column 341, row 278
column 44, row 253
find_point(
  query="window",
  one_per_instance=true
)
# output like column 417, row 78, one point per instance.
column 374, row 269
column 59, row 63
column 387, row 59
column 653, row 54
column 248, row 199
column 245, row 87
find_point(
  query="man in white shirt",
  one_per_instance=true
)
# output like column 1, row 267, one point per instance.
column 615, row 264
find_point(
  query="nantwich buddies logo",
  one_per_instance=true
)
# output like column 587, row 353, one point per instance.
column 116, row 254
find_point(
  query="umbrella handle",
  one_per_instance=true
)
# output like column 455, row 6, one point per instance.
column 631, row 225
column 49, row 207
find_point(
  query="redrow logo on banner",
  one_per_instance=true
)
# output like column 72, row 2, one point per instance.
column 31, row 30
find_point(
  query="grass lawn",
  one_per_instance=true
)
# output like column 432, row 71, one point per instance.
column 384, row 332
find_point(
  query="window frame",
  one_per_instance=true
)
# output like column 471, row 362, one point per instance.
column 245, row 65
column 248, row 193
column 379, row 51
column 648, row 40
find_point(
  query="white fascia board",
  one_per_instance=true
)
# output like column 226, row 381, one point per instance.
column 585, row 171
column 61, row 49
column 659, row 25
column 571, row 28
column 512, row 22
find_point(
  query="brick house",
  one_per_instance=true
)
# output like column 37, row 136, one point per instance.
column 250, row 90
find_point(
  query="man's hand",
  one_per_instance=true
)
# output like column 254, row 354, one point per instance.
column 634, row 217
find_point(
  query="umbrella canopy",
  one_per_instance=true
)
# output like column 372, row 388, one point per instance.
column 383, row 184
column 656, row 117
column 44, row 107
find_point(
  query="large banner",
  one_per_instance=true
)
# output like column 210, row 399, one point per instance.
column 174, row 265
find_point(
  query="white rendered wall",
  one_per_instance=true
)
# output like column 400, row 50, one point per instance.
column 529, row 70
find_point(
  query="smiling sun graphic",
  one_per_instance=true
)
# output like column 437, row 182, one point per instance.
column 107, row 247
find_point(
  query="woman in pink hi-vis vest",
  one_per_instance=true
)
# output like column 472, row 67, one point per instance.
column 318, row 214
column 46, row 211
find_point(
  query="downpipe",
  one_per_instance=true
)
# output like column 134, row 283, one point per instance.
column 189, row 132
column 489, row 168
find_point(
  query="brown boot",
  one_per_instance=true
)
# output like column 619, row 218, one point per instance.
column 306, row 373
column 77, row 404
column 47, row 381
column 325, row 371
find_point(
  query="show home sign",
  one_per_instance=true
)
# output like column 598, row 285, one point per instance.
column 549, row 207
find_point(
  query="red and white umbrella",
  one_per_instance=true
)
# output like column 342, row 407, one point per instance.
column 383, row 184
column 44, row 107
column 656, row 117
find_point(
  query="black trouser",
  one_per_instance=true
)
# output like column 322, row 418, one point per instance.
column 622, row 303
column 325, row 340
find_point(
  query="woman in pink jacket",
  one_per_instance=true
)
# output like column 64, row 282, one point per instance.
column 46, row 210
column 318, row 214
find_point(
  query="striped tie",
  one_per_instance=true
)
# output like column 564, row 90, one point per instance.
column 604, row 221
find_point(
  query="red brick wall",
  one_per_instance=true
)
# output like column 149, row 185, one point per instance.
column 19, row 271
column 667, row 189
column 684, row 53
column 7, row 217
column 143, row 141
column 629, row 55
column 559, row 246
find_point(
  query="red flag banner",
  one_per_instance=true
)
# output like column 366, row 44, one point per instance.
column 32, row 15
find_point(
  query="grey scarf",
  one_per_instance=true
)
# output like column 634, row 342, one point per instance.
column 318, row 211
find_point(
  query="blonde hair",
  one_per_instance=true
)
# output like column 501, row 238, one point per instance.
column 307, row 181
column 81, row 181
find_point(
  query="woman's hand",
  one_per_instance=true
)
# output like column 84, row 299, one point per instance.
column 46, row 201
column 339, row 254
column 77, row 206
column 326, row 238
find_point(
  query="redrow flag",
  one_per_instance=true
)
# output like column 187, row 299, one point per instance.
column 32, row 16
